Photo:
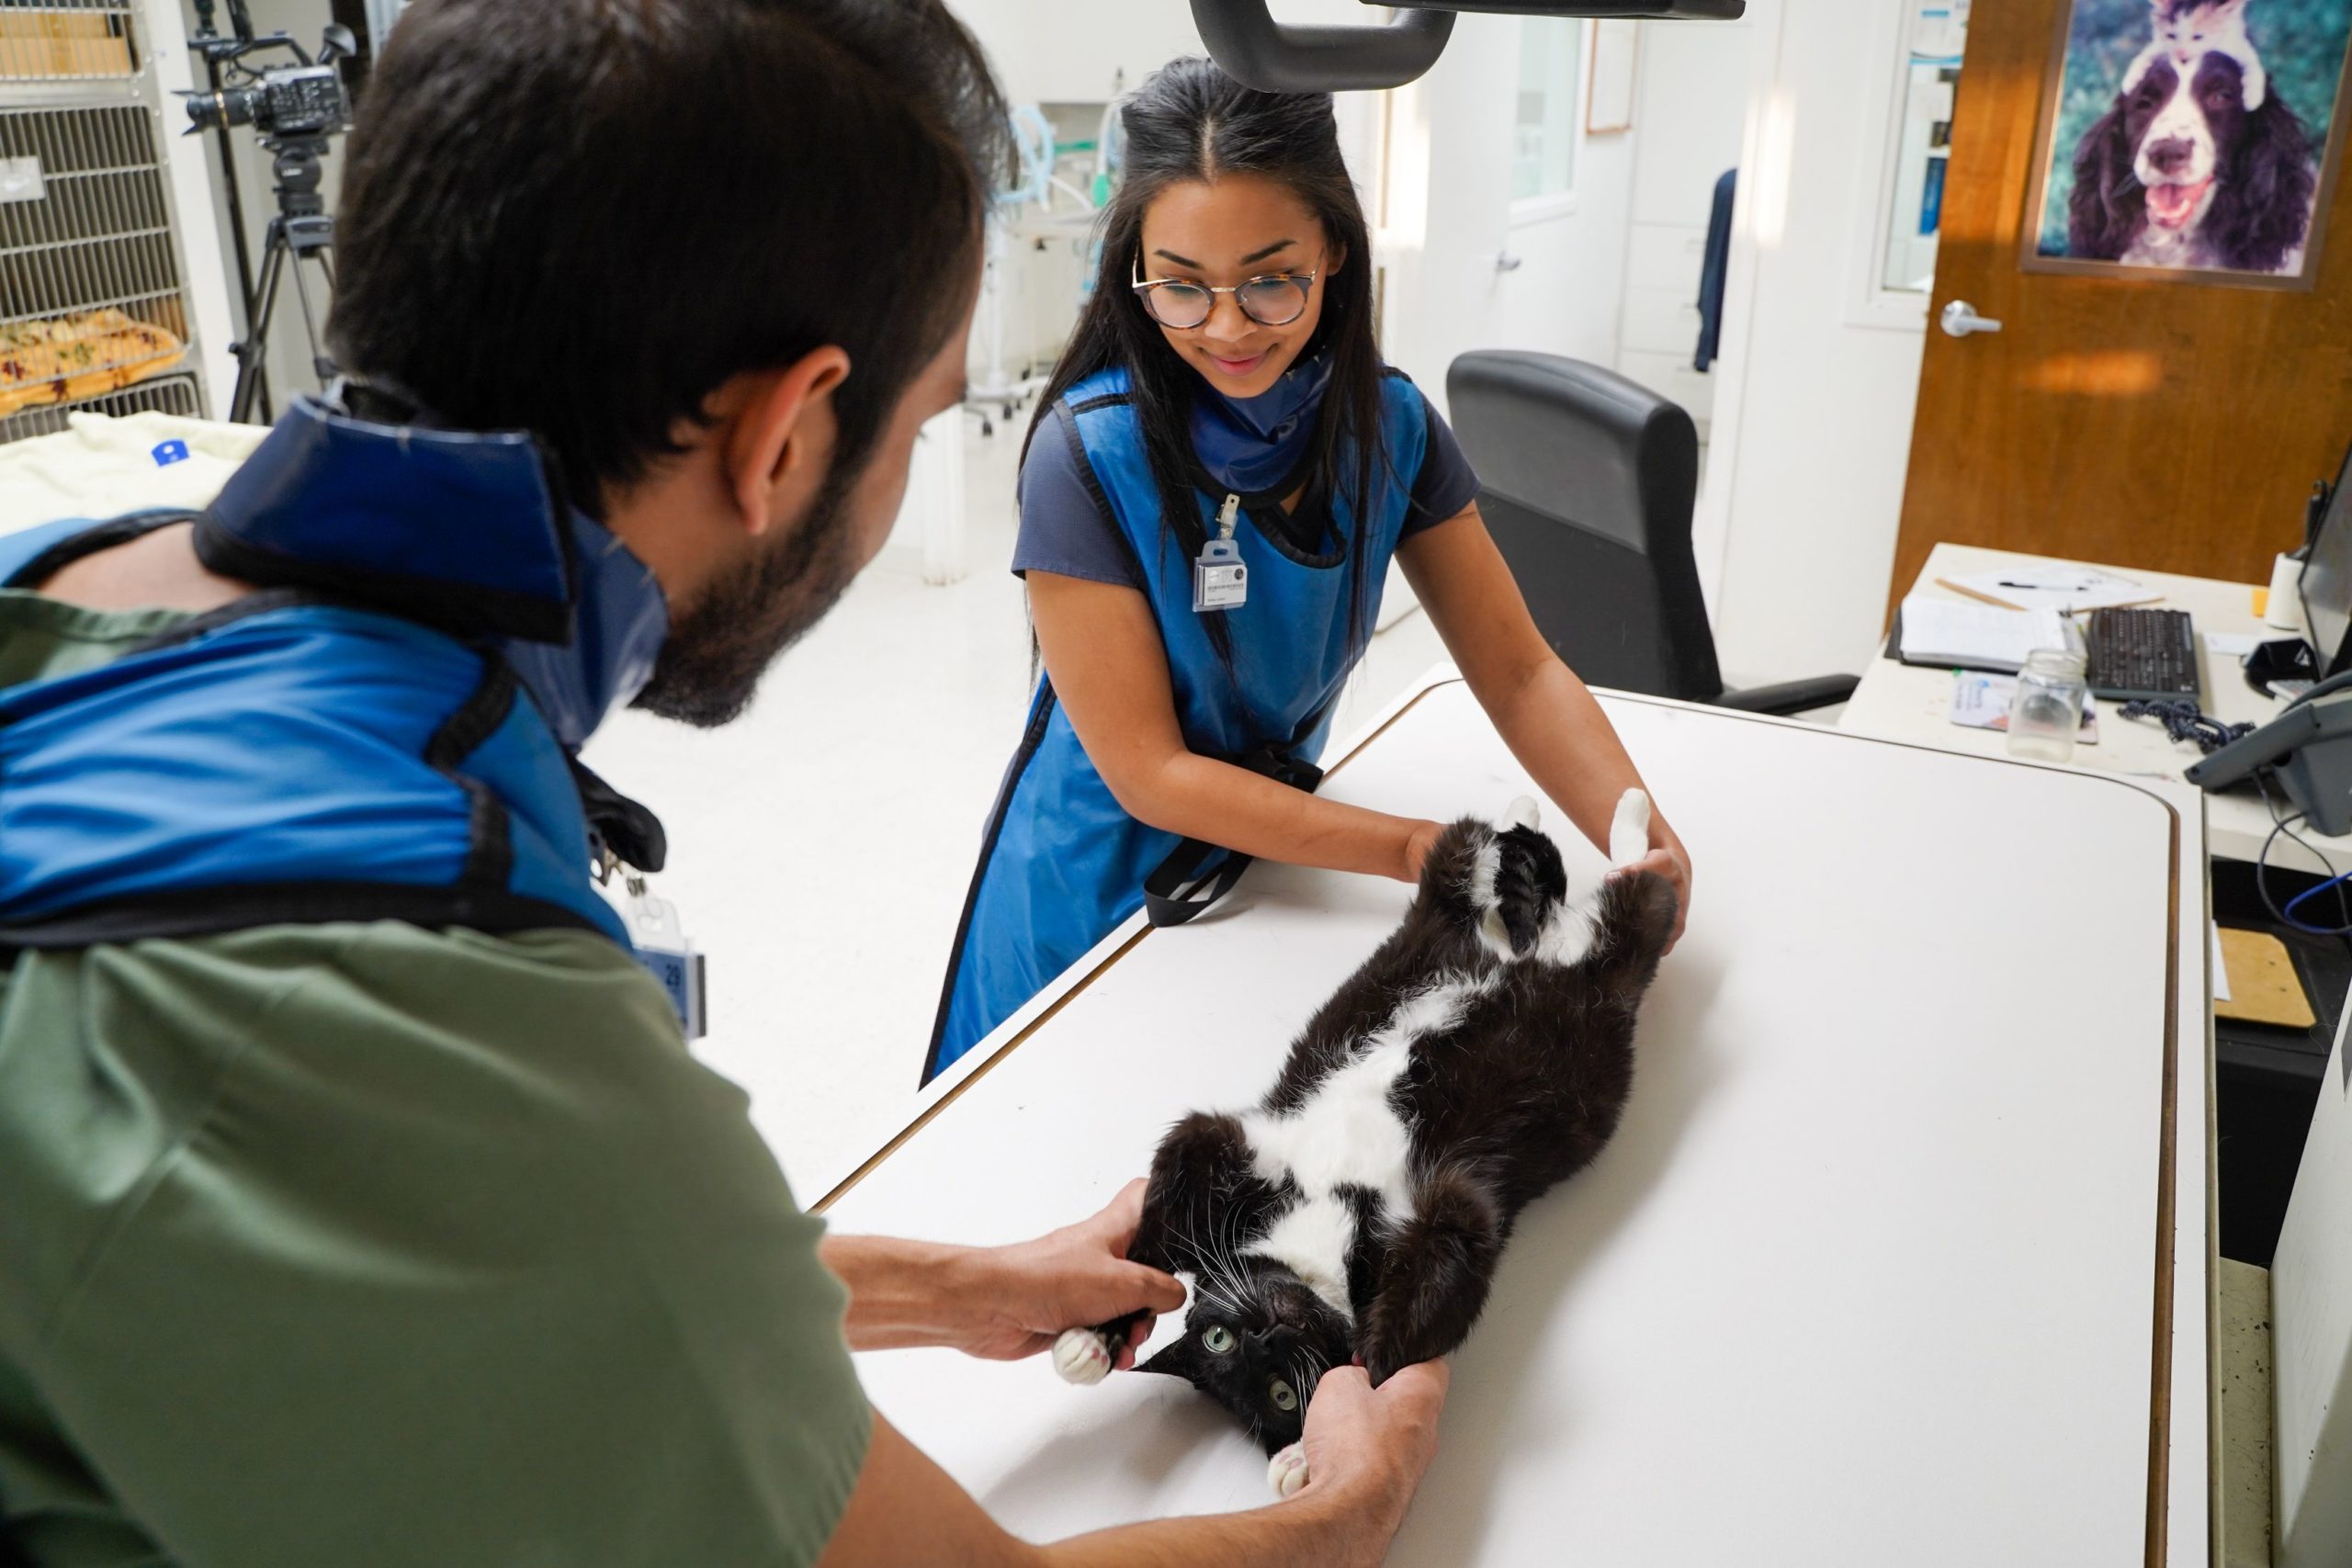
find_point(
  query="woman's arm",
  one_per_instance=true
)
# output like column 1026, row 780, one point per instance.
column 1110, row 670
column 1547, row 717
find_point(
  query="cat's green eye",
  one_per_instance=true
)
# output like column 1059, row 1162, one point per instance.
column 1284, row 1396
column 1218, row 1340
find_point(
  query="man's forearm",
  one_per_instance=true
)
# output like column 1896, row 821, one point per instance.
column 907, row 1510
column 902, row 1293
column 1311, row 1530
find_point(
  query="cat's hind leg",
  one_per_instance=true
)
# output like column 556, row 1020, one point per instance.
column 1629, row 829
column 1571, row 931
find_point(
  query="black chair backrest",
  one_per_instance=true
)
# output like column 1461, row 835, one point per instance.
column 1587, row 482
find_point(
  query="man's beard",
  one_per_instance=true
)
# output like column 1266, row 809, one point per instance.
column 711, row 664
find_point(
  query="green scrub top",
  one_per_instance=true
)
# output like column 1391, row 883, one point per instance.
column 363, row 1244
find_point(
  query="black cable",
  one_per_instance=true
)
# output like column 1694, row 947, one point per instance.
column 2285, row 824
column 2184, row 720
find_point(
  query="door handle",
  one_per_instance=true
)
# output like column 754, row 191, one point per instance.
column 1960, row 318
column 1506, row 262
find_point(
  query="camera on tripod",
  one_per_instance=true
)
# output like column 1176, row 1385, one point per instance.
column 290, row 100
column 295, row 108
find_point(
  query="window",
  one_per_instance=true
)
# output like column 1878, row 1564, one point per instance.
column 1544, row 146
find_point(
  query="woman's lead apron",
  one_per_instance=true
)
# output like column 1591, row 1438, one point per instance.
column 1061, row 865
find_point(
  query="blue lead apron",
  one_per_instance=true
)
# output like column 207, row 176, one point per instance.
column 1061, row 864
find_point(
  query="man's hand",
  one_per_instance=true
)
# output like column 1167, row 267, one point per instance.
column 1025, row 1295
column 1373, row 1444
column 1001, row 1303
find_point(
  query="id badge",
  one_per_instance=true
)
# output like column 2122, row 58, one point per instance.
column 1220, row 580
column 663, row 947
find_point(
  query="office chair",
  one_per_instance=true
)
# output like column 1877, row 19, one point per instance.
column 1587, row 482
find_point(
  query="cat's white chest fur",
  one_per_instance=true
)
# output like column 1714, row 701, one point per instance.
column 1349, row 1134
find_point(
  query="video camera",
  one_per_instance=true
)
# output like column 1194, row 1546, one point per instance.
column 290, row 100
column 306, row 99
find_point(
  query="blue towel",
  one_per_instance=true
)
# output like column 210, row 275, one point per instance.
column 1710, row 270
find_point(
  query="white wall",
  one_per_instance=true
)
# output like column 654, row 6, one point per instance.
column 1052, row 52
column 1812, row 428
column 1448, row 219
column 204, row 271
column 1691, row 108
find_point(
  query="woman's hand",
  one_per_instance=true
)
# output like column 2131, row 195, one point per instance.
column 1671, row 859
column 1025, row 1295
column 1418, row 845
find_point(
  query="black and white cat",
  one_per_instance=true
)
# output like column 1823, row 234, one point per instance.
column 1481, row 1057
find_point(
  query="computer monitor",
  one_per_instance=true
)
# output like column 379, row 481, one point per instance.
column 2327, row 577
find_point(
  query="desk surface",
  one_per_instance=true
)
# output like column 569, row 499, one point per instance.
column 1905, row 702
column 1878, row 1269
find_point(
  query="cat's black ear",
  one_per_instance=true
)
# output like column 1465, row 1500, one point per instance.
column 1178, row 1358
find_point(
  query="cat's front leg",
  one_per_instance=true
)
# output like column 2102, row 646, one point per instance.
column 1201, row 1186
column 1434, row 1274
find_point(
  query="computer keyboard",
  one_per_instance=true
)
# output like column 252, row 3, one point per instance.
column 2143, row 653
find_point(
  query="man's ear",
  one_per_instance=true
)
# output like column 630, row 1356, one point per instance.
column 780, row 436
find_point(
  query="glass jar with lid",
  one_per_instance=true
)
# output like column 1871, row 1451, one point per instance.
column 2047, row 711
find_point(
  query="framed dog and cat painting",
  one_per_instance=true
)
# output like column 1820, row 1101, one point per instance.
column 2200, row 139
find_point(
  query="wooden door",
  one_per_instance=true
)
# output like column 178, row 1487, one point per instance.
column 2173, row 426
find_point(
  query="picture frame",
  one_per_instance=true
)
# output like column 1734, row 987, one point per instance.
column 1608, row 86
column 2204, row 101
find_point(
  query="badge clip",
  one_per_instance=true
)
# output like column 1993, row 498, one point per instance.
column 1220, row 580
column 663, row 947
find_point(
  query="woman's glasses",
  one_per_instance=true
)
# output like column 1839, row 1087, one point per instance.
column 1274, row 300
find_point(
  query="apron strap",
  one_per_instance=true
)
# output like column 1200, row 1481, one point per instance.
column 1178, row 890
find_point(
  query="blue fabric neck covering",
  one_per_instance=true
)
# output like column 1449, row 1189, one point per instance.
column 619, row 620
column 458, row 526
column 1253, row 443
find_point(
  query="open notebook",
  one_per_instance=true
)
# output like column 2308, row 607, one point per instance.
column 1975, row 636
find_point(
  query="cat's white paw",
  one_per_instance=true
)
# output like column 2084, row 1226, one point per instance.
column 1629, row 830
column 1080, row 1357
column 1286, row 1471
column 1523, row 813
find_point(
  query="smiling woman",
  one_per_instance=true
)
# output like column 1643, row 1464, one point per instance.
column 1218, row 475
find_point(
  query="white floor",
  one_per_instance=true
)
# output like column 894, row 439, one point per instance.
column 820, row 846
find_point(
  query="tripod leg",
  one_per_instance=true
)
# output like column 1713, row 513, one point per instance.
column 249, row 353
column 320, row 364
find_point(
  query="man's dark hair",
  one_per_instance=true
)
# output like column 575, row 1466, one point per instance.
column 580, row 218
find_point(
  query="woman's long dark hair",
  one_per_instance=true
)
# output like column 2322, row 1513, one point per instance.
column 1191, row 121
